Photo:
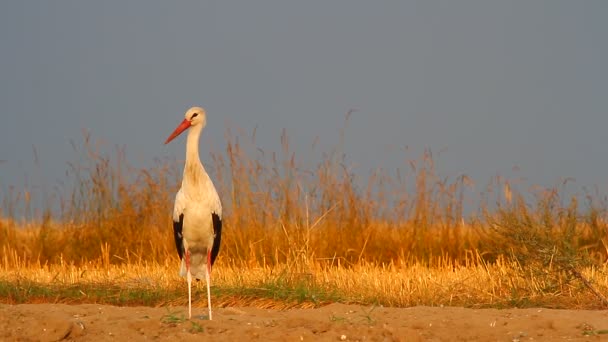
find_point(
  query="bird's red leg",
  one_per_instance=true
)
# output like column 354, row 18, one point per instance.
column 189, row 279
column 208, row 280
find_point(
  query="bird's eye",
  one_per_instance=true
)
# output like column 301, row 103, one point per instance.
column 194, row 115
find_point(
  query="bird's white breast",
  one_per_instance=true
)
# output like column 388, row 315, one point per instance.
column 197, row 204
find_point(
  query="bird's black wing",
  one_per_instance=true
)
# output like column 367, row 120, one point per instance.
column 179, row 237
column 217, row 236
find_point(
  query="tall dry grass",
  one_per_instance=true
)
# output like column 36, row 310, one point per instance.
column 278, row 211
column 281, row 213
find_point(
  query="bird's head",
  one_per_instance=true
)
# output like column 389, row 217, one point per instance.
column 194, row 117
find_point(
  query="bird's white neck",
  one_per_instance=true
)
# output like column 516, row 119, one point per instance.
column 194, row 172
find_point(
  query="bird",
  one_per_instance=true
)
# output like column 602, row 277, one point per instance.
column 197, row 213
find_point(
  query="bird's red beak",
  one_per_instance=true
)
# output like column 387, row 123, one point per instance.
column 182, row 127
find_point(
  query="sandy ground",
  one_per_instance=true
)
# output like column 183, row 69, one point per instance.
column 336, row 322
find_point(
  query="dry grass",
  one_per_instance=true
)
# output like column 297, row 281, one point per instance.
column 482, row 285
column 297, row 236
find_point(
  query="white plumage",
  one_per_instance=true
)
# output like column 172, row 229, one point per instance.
column 197, row 214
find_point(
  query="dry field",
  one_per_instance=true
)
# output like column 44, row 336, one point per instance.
column 363, row 302
column 313, row 254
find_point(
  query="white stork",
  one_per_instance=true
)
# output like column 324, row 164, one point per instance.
column 197, row 215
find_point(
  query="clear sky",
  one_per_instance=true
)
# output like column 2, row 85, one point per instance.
column 491, row 84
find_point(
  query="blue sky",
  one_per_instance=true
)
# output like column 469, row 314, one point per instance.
column 493, row 85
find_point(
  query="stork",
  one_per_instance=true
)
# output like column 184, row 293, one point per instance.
column 197, row 214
